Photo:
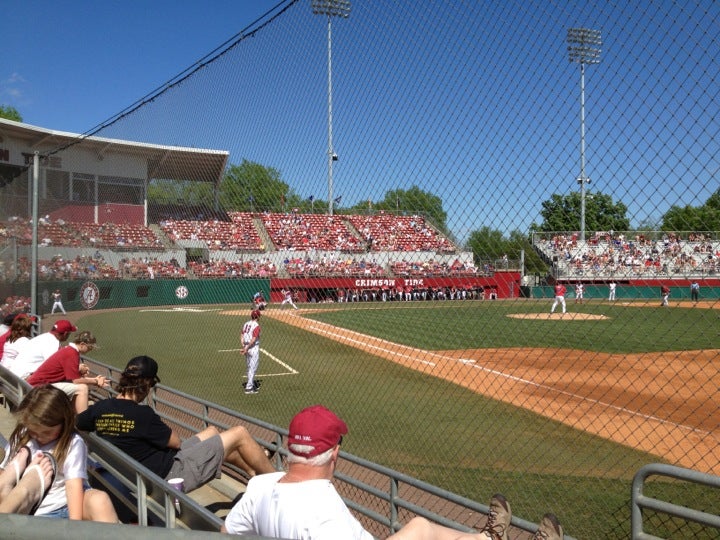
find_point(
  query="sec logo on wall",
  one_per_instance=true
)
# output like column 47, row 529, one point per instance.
column 182, row 292
column 89, row 295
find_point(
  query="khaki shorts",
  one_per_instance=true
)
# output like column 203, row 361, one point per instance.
column 198, row 461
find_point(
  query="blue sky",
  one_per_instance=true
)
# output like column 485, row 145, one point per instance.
column 473, row 101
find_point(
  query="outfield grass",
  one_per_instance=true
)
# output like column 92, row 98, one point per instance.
column 429, row 428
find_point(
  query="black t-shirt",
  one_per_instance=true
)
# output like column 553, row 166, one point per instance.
column 135, row 429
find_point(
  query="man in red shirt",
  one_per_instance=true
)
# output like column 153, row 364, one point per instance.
column 559, row 297
column 65, row 371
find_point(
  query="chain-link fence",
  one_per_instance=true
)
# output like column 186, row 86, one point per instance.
column 444, row 152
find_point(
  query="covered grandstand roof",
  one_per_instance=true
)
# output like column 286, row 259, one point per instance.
column 164, row 162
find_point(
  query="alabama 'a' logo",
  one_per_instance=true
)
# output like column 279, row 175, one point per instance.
column 89, row 295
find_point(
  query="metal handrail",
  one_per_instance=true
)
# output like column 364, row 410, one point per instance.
column 641, row 501
column 154, row 495
column 392, row 479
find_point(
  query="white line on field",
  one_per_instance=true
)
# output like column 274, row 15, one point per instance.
column 367, row 345
column 474, row 365
column 588, row 399
column 291, row 371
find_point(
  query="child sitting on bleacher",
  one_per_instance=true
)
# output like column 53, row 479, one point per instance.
column 46, row 424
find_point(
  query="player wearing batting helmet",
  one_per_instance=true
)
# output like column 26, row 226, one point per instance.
column 251, row 349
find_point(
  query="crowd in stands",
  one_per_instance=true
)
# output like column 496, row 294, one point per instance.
column 238, row 234
column 239, row 231
column 387, row 232
column 61, row 233
column 608, row 254
column 145, row 268
column 14, row 304
column 311, row 231
column 434, row 268
column 333, row 267
column 79, row 268
column 263, row 268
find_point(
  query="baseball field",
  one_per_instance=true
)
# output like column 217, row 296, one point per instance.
column 555, row 411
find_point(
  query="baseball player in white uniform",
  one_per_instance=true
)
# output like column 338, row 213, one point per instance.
column 611, row 287
column 251, row 349
column 579, row 292
column 287, row 298
column 57, row 302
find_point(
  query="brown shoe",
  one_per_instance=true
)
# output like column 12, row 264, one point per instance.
column 499, row 518
column 549, row 529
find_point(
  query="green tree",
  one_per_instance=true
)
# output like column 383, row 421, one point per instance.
column 180, row 192
column 562, row 213
column 490, row 245
column 409, row 201
column 696, row 219
column 254, row 187
column 10, row 113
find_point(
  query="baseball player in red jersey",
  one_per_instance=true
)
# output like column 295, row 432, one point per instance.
column 559, row 297
column 664, row 294
column 251, row 349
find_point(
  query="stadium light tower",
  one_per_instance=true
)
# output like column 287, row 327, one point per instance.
column 583, row 48
column 331, row 8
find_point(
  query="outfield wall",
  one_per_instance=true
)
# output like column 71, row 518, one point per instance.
column 633, row 291
column 112, row 294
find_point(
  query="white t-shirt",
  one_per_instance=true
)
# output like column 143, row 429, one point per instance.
column 34, row 353
column 75, row 466
column 309, row 510
column 11, row 350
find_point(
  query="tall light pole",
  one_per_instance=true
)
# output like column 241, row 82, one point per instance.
column 583, row 48
column 331, row 8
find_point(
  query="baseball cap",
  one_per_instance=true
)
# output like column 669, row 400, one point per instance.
column 316, row 427
column 64, row 326
column 87, row 338
column 255, row 314
column 143, row 366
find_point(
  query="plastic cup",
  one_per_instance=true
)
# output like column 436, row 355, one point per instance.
column 177, row 483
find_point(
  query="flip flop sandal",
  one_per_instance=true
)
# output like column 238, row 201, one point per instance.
column 18, row 473
column 44, row 490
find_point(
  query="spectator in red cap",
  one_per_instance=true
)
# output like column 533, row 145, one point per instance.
column 140, row 432
column 302, row 504
column 40, row 348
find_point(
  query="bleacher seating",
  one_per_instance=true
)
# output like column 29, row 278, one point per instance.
column 74, row 234
column 632, row 256
column 311, row 231
column 150, row 269
column 433, row 268
column 333, row 267
column 238, row 234
column 387, row 232
column 233, row 269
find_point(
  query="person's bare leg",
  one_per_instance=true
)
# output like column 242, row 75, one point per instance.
column 242, row 451
column 420, row 528
column 29, row 490
column 97, row 506
column 81, row 398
